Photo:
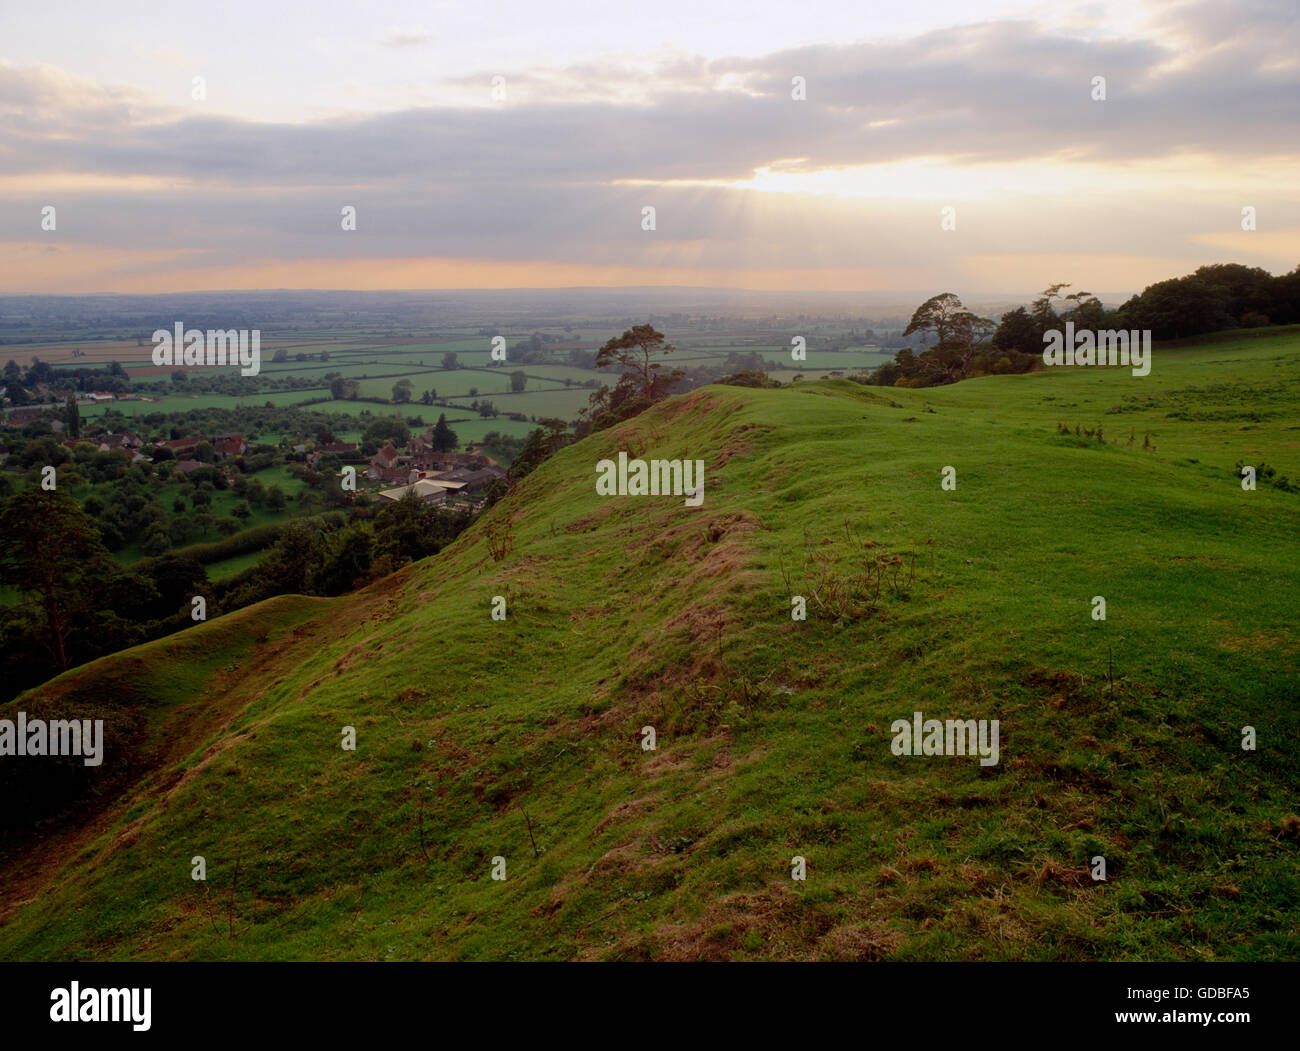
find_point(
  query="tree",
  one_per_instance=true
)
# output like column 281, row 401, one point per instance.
column 50, row 551
column 72, row 417
column 444, row 438
column 280, row 354
column 288, row 568
column 179, row 377
column 338, row 388
column 958, row 334
column 641, row 384
column 1249, row 289
column 348, row 554
column 749, row 378
column 542, row 443
column 937, row 316
column 518, row 381
column 1086, row 312
column 242, row 510
column 1042, row 311
column 633, row 350
column 406, row 530
column 156, row 541
column 402, row 391
column 450, row 361
column 1018, row 331
column 386, row 429
column 178, row 578
column 1179, row 307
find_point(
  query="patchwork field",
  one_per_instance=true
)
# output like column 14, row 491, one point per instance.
column 379, row 361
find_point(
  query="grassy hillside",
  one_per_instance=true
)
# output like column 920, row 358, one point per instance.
column 478, row 738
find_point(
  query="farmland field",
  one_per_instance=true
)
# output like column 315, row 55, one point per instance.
column 378, row 360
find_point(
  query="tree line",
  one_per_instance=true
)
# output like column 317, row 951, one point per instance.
column 960, row 344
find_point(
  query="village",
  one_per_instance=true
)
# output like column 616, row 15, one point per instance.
column 433, row 477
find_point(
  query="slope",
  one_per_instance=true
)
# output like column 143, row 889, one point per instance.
column 522, row 739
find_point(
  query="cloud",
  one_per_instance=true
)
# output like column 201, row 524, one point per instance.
column 407, row 38
column 562, row 170
column 987, row 93
column 167, row 57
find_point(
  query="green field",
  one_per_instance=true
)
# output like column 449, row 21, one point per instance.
column 228, row 567
column 379, row 365
column 1119, row 738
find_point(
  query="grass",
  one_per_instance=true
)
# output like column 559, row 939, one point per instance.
column 1119, row 738
column 229, row 567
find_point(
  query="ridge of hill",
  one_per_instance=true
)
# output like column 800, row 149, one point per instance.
column 522, row 739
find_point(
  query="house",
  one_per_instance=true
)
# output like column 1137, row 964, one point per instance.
column 126, row 441
column 387, row 457
column 100, row 395
column 186, row 466
column 226, row 445
column 428, row 493
column 324, row 449
column 386, row 466
column 179, row 446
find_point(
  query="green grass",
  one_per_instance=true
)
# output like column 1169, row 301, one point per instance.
column 773, row 734
column 228, row 567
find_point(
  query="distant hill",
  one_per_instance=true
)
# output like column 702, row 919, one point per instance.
column 522, row 739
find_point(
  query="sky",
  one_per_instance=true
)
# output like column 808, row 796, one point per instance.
column 954, row 146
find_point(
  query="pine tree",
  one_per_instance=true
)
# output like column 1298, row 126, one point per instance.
column 444, row 438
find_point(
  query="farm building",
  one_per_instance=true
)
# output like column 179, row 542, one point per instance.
column 427, row 492
column 225, row 445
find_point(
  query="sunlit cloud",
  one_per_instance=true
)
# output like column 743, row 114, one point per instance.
column 992, row 117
